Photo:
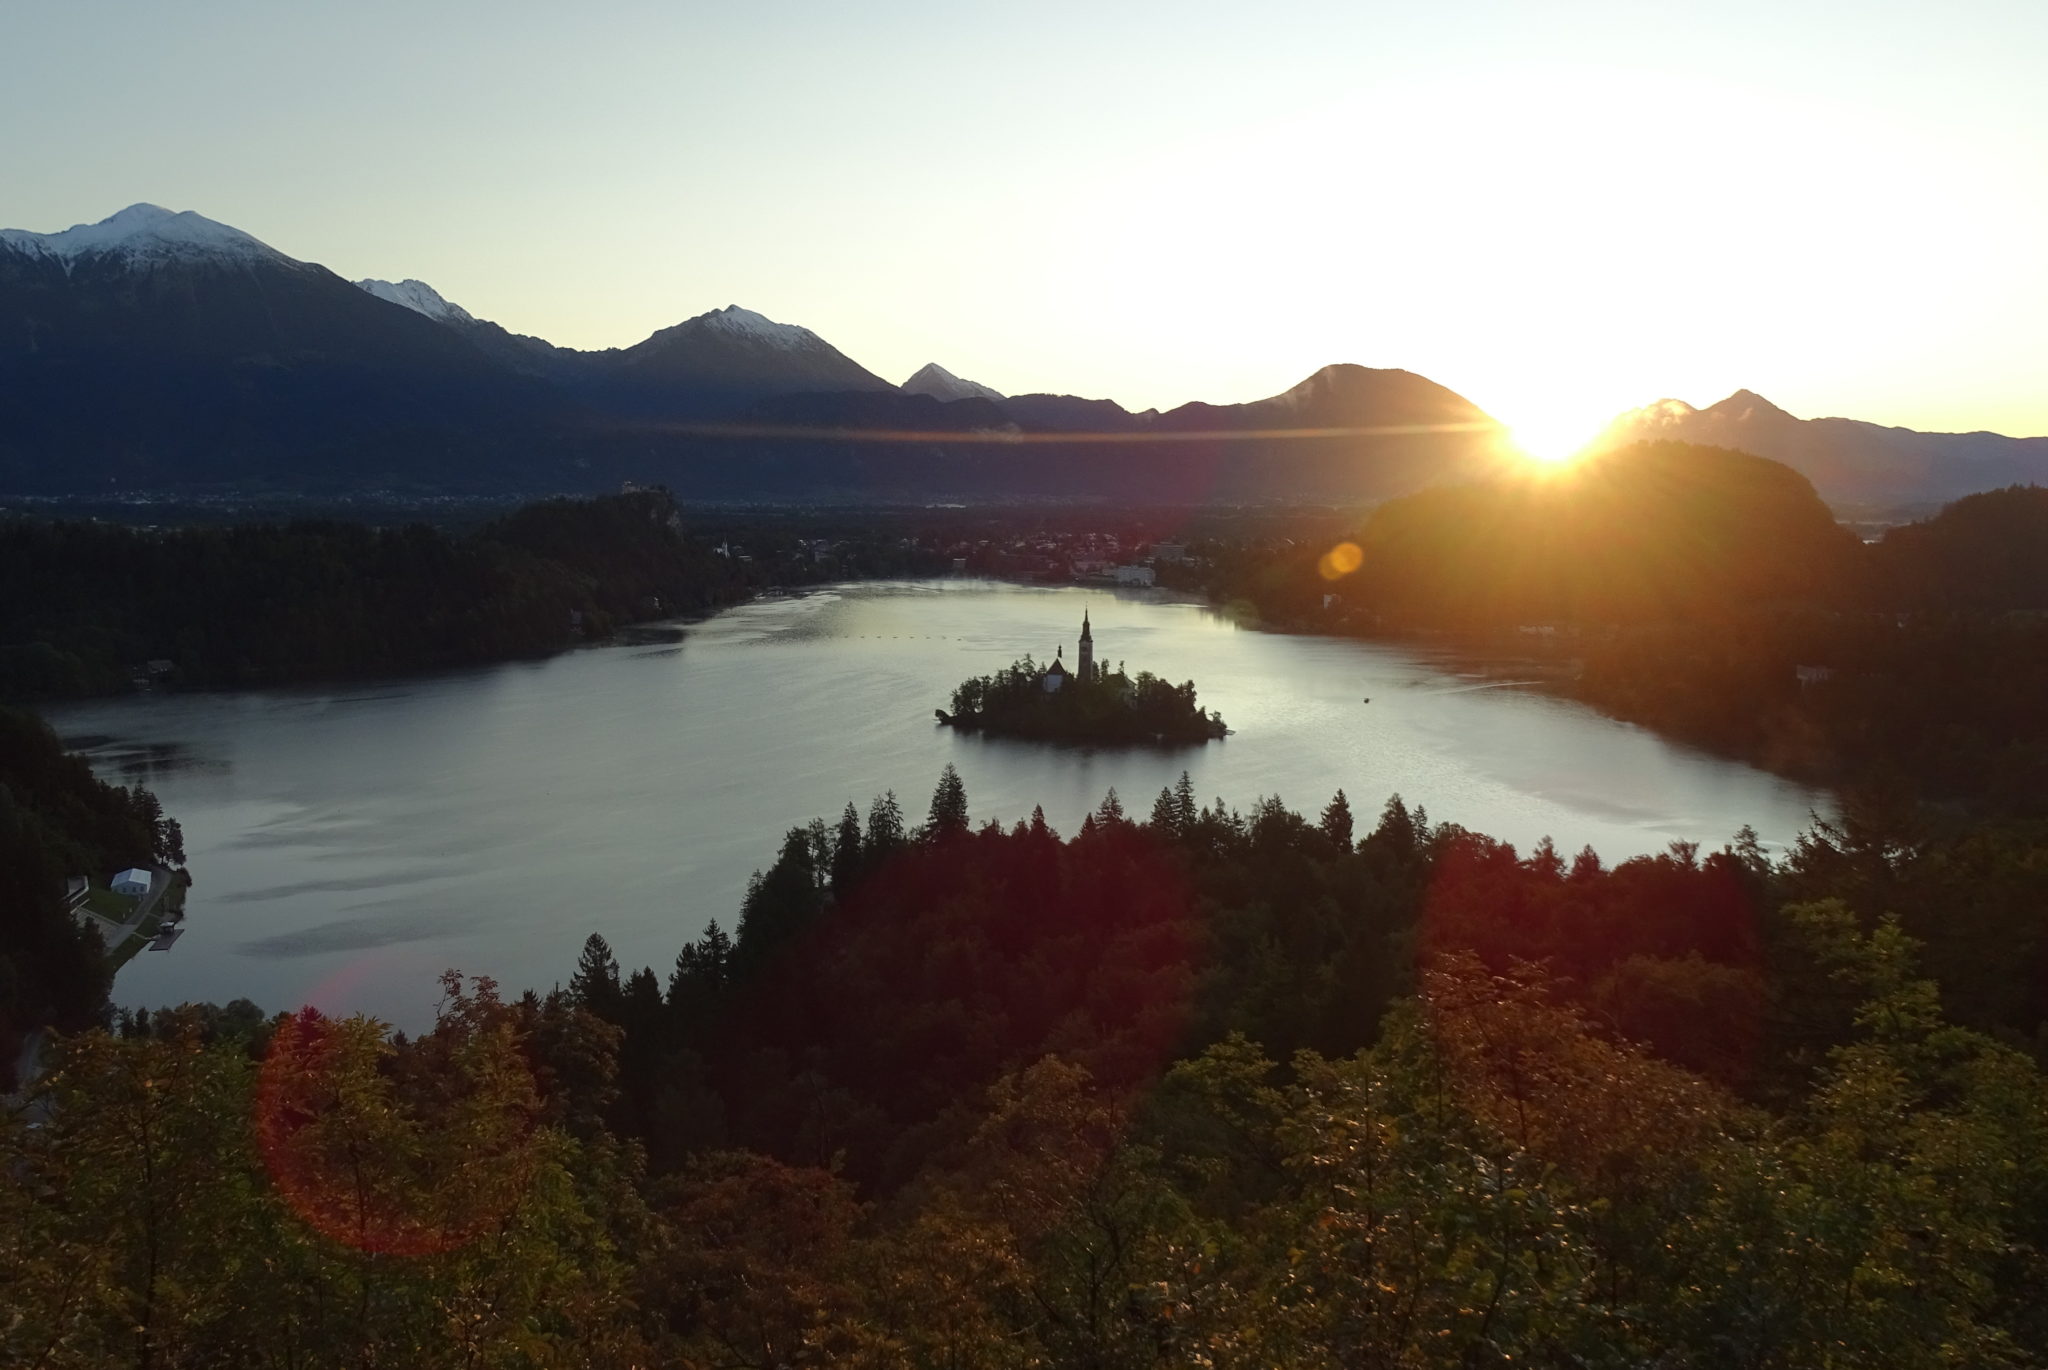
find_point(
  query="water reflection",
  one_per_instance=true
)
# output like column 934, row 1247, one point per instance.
column 140, row 763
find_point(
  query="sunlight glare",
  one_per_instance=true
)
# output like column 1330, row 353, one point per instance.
column 1551, row 442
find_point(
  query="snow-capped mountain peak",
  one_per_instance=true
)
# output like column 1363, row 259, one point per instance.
column 745, row 323
column 143, row 234
column 941, row 384
column 420, row 298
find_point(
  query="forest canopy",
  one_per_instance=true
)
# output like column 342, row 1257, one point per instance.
column 1207, row 1088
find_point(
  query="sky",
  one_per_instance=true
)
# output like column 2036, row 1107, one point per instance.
column 1558, row 210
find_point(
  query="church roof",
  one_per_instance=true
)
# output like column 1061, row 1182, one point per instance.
column 1056, row 668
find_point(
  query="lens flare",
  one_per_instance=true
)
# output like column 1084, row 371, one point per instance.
column 372, row 1164
column 1341, row 561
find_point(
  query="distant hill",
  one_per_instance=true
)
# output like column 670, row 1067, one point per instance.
column 1654, row 532
column 941, row 384
column 1986, row 552
column 1846, row 459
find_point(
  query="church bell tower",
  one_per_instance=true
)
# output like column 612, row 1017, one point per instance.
column 1087, row 670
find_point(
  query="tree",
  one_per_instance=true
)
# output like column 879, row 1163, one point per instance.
column 1184, row 802
column 1336, row 822
column 885, row 827
column 1398, row 834
column 948, row 816
column 1165, row 818
column 783, row 902
column 847, row 854
column 595, row 983
column 754, row 1262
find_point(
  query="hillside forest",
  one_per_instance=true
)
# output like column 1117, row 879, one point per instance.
column 1197, row 1087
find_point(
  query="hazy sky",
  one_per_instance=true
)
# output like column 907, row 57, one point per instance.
column 1559, row 210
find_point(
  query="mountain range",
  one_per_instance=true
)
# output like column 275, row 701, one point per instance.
column 161, row 351
column 1846, row 459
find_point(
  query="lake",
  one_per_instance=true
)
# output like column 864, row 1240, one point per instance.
column 347, row 844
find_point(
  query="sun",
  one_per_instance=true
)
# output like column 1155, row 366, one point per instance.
column 1551, row 441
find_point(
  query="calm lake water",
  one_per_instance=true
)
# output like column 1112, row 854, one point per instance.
column 349, row 844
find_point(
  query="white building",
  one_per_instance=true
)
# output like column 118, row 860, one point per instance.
column 1131, row 575
column 134, row 880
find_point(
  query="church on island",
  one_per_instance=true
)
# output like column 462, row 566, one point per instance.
column 1087, row 703
column 1057, row 675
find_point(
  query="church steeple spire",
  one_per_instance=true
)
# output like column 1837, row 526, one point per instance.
column 1087, row 665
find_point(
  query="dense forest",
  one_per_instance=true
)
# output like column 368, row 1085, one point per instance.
column 1208, row 1088
column 57, row 821
column 1112, row 708
column 88, row 607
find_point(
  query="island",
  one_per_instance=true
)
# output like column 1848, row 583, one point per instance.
column 1088, row 704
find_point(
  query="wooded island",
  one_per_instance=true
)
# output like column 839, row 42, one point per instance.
column 1090, row 704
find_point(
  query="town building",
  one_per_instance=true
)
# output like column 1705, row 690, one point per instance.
column 134, row 880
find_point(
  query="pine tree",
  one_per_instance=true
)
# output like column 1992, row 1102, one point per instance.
column 949, row 806
column 1184, row 801
column 781, row 903
column 702, row 966
column 640, row 1000
column 885, row 826
column 595, row 985
column 1396, row 828
column 717, row 952
column 1336, row 824
column 1165, row 818
column 846, row 852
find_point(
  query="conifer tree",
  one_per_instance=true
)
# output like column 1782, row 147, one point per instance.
column 949, row 806
column 595, row 985
column 885, row 826
column 1336, row 823
column 846, row 852
column 1396, row 830
column 1165, row 818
